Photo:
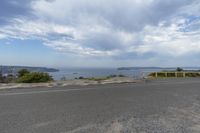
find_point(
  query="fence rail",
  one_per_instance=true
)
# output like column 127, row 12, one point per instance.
column 176, row 74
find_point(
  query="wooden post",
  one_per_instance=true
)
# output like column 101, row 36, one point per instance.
column 166, row 74
column 176, row 75
column 184, row 74
column 156, row 74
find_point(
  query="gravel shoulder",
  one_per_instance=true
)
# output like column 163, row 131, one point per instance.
column 82, row 82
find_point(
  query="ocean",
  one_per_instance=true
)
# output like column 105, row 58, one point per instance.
column 72, row 73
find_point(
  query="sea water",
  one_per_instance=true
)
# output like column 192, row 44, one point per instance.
column 72, row 73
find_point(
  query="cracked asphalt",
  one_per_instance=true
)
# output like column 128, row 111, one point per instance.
column 154, row 106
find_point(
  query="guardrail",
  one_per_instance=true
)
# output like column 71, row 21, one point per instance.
column 176, row 74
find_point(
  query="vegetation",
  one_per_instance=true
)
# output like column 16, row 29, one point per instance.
column 1, row 77
column 101, row 78
column 7, row 79
column 22, row 72
column 81, row 77
column 25, row 76
column 179, row 69
column 98, row 79
column 113, row 76
column 35, row 77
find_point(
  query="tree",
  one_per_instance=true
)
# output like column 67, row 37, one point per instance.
column 179, row 69
column 22, row 72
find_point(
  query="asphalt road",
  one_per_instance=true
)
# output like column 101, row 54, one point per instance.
column 161, row 106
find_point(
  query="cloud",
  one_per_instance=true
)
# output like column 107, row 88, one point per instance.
column 127, row 15
column 124, row 29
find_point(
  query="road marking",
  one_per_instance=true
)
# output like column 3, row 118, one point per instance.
column 47, row 91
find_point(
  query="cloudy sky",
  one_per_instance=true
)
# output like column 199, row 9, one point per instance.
column 100, row 33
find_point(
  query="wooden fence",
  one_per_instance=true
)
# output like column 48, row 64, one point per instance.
column 176, row 74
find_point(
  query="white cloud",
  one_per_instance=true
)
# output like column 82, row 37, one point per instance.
column 171, row 40
column 112, row 28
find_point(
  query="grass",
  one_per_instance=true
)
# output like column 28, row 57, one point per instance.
column 98, row 79
column 102, row 78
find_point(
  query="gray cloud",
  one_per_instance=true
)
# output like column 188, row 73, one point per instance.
column 104, row 42
column 13, row 8
column 129, row 15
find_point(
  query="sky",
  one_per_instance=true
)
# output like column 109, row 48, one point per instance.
column 100, row 33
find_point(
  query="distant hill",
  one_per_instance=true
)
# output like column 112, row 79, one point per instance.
column 157, row 68
column 140, row 68
column 15, row 69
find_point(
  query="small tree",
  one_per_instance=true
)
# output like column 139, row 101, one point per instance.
column 22, row 72
column 179, row 69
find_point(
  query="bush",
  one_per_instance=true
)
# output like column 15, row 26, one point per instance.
column 121, row 75
column 10, row 78
column 81, row 77
column 112, row 76
column 22, row 72
column 2, row 78
column 98, row 79
column 179, row 69
column 35, row 77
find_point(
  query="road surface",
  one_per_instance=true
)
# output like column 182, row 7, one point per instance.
column 161, row 106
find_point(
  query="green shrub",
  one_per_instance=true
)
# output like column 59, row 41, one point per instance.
column 114, row 76
column 179, row 69
column 81, row 77
column 111, row 76
column 22, row 72
column 10, row 78
column 35, row 77
column 1, row 78
column 98, row 79
column 121, row 75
